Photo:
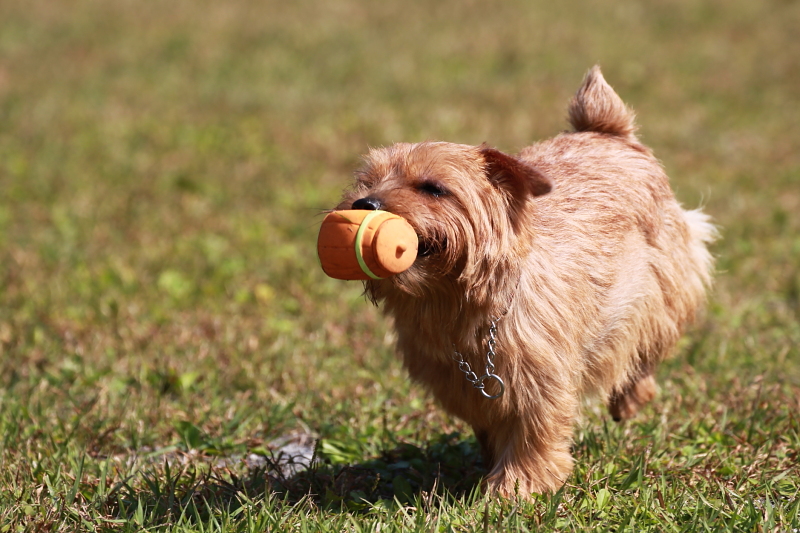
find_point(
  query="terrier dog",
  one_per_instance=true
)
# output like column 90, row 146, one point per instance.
column 563, row 272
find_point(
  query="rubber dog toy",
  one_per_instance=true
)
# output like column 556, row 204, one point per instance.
column 363, row 244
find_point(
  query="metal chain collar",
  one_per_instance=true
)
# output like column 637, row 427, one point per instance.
column 480, row 382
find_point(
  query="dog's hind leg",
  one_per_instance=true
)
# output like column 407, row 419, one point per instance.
column 626, row 402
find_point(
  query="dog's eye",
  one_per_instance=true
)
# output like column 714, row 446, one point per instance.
column 432, row 188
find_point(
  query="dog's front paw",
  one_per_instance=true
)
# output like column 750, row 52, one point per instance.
column 531, row 474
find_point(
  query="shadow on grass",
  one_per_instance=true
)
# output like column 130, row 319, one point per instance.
column 449, row 466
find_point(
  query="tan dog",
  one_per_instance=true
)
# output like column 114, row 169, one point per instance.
column 567, row 271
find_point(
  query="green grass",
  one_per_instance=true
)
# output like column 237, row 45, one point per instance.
column 163, row 316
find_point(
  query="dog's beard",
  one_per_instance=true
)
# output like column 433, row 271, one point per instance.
column 440, row 261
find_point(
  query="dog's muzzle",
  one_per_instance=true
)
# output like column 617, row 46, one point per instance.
column 426, row 248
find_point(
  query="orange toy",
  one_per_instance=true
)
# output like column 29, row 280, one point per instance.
column 363, row 244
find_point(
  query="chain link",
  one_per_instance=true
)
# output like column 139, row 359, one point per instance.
column 480, row 382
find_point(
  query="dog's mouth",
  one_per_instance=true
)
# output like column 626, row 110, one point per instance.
column 428, row 247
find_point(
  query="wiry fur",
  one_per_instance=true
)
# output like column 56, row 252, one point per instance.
column 577, row 243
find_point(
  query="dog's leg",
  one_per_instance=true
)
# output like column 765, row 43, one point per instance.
column 532, row 453
column 625, row 403
column 486, row 449
column 529, row 465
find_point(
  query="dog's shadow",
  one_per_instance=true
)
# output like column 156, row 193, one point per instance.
column 450, row 464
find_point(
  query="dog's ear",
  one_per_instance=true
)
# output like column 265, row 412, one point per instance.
column 514, row 175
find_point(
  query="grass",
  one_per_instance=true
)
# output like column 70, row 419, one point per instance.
column 163, row 319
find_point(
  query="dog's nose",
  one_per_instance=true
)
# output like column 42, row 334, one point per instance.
column 368, row 204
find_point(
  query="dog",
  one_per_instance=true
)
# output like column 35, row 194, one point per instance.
column 564, row 272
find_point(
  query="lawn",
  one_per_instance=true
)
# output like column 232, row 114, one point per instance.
column 167, row 338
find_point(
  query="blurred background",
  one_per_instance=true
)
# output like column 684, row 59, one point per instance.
column 163, row 166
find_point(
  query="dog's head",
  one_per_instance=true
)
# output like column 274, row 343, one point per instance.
column 469, row 206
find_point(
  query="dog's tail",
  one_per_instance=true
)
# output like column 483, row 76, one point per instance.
column 596, row 107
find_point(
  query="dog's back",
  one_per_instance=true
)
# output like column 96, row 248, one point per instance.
column 634, row 263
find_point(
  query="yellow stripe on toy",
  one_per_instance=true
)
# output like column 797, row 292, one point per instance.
column 362, row 244
column 358, row 245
